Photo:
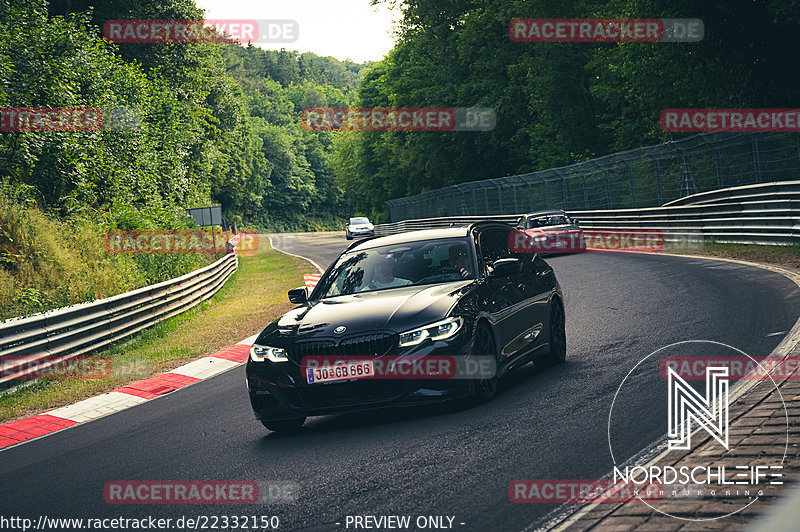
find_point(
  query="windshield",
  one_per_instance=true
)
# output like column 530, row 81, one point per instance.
column 407, row 264
column 544, row 221
column 359, row 221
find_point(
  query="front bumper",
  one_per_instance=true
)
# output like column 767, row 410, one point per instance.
column 558, row 242
column 362, row 232
column 280, row 391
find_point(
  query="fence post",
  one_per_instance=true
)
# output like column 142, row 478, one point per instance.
column 514, row 188
column 500, row 198
column 546, row 194
column 658, row 181
column 633, row 190
column 756, row 159
column 585, row 190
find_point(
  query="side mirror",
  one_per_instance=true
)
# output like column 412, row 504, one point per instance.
column 298, row 295
column 505, row 267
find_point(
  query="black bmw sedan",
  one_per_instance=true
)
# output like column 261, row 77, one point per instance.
column 405, row 320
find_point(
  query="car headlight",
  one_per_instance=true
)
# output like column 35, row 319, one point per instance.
column 258, row 353
column 440, row 330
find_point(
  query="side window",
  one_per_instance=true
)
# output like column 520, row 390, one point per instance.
column 494, row 245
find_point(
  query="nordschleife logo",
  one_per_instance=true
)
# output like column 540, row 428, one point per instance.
column 686, row 405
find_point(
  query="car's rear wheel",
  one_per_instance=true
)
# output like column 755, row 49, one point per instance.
column 558, row 333
column 284, row 425
column 483, row 345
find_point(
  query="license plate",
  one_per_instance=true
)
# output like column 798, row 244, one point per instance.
column 340, row 372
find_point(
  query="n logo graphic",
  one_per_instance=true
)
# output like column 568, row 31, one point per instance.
column 686, row 404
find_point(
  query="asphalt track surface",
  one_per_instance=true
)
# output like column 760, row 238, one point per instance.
column 456, row 460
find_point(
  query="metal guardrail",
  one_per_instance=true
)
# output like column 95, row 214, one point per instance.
column 54, row 336
column 753, row 214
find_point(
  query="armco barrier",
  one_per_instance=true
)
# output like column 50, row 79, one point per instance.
column 768, row 213
column 64, row 333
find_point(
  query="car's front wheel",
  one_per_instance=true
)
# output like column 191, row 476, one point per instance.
column 558, row 333
column 348, row 235
column 284, row 425
column 483, row 346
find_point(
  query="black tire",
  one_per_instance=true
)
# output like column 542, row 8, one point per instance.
column 348, row 236
column 486, row 388
column 284, row 425
column 558, row 334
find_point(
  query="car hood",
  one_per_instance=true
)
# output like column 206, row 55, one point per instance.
column 397, row 309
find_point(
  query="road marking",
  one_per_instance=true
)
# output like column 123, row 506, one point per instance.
column 776, row 333
column 320, row 270
column 130, row 395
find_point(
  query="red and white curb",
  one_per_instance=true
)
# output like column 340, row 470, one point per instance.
column 135, row 393
column 311, row 280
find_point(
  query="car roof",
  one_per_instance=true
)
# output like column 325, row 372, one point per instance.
column 411, row 236
column 461, row 230
column 546, row 213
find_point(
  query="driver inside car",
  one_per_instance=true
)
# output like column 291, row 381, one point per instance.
column 383, row 276
column 458, row 260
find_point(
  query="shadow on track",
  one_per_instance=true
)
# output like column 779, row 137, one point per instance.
column 331, row 424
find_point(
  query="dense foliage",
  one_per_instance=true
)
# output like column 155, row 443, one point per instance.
column 214, row 123
column 191, row 124
column 556, row 103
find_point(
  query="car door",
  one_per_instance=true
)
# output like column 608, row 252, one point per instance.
column 505, row 297
column 531, row 287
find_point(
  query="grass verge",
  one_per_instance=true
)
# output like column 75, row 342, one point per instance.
column 777, row 255
column 253, row 296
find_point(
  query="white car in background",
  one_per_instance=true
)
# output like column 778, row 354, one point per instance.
column 360, row 226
